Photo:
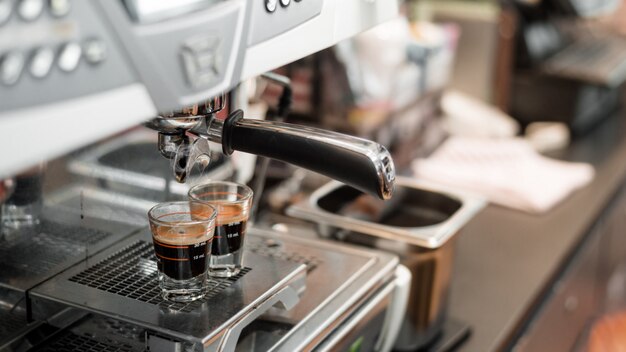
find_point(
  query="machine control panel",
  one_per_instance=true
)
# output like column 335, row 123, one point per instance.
column 29, row 10
column 53, row 51
column 181, row 51
column 185, row 58
column 117, row 63
column 270, row 5
column 202, row 60
column 56, row 50
column 150, row 11
column 41, row 62
column 274, row 17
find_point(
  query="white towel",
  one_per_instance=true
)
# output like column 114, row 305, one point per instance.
column 508, row 172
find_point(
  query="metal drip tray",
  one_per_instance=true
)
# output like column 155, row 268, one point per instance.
column 340, row 278
column 132, row 272
column 33, row 254
column 12, row 318
column 11, row 322
column 132, row 164
column 121, row 283
column 88, row 332
column 119, row 287
column 72, row 342
column 93, row 202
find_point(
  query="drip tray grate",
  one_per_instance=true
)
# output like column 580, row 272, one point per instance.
column 132, row 272
column 46, row 246
column 70, row 342
column 10, row 323
column 73, row 233
column 274, row 249
column 120, row 282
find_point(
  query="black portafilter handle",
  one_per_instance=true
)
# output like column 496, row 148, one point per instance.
column 360, row 163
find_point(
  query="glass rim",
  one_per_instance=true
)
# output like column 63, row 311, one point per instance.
column 156, row 220
column 244, row 197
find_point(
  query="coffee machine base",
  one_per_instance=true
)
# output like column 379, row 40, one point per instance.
column 121, row 283
column 31, row 254
column 341, row 305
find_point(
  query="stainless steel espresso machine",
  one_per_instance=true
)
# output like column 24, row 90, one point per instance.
column 77, row 270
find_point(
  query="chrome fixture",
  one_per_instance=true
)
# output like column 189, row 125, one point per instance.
column 358, row 162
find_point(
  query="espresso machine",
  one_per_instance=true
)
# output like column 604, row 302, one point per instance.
column 75, row 72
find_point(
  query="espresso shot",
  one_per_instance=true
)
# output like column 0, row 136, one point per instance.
column 232, row 202
column 182, row 256
column 230, row 229
column 182, row 233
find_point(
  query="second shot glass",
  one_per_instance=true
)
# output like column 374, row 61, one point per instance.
column 233, row 202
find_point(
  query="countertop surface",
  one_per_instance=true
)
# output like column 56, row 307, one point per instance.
column 506, row 259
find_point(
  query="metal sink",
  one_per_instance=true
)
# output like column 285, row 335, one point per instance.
column 418, row 224
column 418, row 214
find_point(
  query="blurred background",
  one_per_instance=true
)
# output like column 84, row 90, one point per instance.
column 506, row 127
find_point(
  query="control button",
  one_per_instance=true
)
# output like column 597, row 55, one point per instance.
column 285, row 2
column 69, row 57
column 41, row 62
column 11, row 66
column 201, row 60
column 95, row 51
column 59, row 8
column 30, row 9
column 5, row 11
column 270, row 5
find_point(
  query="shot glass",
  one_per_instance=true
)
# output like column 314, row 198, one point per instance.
column 22, row 209
column 233, row 202
column 182, row 233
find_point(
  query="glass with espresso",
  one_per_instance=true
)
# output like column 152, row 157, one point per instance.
column 232, row 202
column 182, row 233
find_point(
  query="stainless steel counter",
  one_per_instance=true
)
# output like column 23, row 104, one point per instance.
column 507, row 260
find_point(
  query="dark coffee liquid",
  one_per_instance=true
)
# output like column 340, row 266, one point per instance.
column 228, row 237
column 179, row 260
column 230, row 229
